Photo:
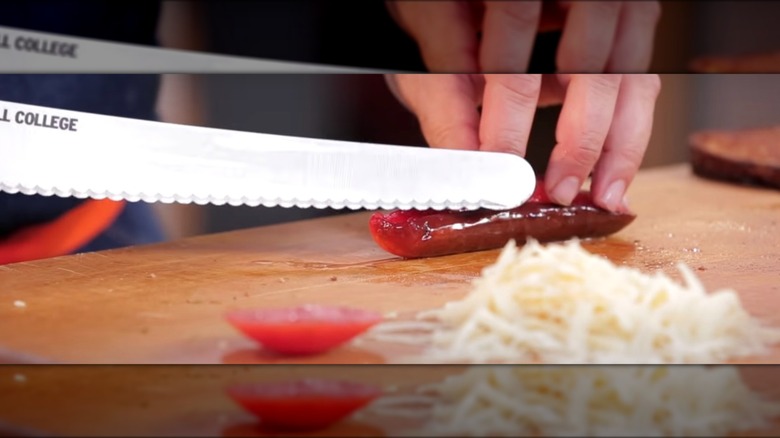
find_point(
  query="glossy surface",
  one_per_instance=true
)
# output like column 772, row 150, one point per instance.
column 303, row 330
column 166, row 303
column 303, row 405
column 415, row 233
column 192, row 400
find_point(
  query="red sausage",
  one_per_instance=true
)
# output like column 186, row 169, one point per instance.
column 430, row 233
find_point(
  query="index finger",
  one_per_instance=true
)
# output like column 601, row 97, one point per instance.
column 508, row 109
column 445, row 32
column 445, row 106
column 509, row 32
column 588, row 36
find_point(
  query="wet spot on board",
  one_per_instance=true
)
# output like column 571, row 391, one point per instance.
column 618, row 251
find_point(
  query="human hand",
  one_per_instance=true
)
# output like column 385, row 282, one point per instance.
column 604, row 126
column 597, row 36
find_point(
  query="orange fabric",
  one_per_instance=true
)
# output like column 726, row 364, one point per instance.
column 63, row 235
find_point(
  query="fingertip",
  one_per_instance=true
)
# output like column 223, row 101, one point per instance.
column 613, row 197
column 625, row 206
column 564, row 191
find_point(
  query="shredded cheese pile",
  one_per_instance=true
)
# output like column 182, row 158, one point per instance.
column 590, row 401
column 558, row 303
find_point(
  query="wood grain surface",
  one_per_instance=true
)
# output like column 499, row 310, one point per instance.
column 164, row 304
column 190, row 400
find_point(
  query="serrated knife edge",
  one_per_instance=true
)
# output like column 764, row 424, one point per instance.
column 118, row 158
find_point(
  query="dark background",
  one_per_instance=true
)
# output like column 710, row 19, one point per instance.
column 362, row 33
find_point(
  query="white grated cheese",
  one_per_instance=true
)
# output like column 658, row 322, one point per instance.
column 586, row 401
column 561, row 304
column 20, row 304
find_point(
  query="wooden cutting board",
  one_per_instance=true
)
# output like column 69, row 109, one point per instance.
column 191, row 400
column 165, row 303
column 181, row 400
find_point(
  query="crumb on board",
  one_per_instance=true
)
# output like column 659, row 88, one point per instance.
column 391, row 315
column 334, row 278
column 282, row 280
column 20, row 378
column 152, row 276
column 20, row 304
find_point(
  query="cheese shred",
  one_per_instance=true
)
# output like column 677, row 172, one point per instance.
column 655, row 400
column 558, row 303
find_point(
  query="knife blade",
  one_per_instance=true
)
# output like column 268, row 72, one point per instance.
column 25, row 51
column 50, row 151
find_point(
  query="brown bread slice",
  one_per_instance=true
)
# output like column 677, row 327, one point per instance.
column 750, row 156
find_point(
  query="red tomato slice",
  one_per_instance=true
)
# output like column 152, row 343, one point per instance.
column 304, row 330
column 308, row 404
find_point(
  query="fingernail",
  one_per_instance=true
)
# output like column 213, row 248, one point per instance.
column 625, row 203
column 566, row 190
column 614, row 195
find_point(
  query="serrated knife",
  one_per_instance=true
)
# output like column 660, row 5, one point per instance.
column 26, row 51
column 50, row 151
